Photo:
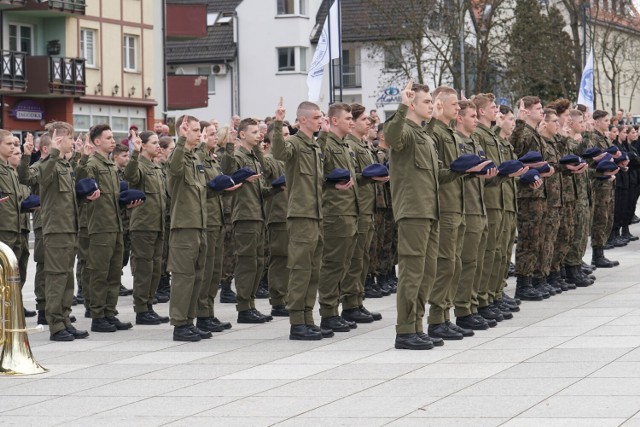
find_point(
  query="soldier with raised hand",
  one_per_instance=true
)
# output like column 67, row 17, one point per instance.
column 302, row 157
column 60, row 228
column 146, row 224
column 415, row 176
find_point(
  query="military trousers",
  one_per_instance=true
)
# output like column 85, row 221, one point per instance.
column 248, row 238
column 339, row 243
column 105, row 270
column 448, row 267
column 187, row 253
column 23, row 259
column 417, row 259
column 306, row 243
column 473, row 248
column 212, row 271
column 146, row 249
column 509, row 222
column 564, row 235
column 82, row 273
column 582, row 221
column 352, row 292
column 229, row 254
column 60, row 250
column 531, row 218
column 375, row 248
column 12, row 240
column 602, row 219
column 492, row 258
column 278, row 272
column 39, row 280
column 550, row 229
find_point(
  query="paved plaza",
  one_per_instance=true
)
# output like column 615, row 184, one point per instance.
column 572, row 360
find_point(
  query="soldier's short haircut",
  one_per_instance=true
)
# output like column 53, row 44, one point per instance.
column 464, row 106
column 357, row 110
column 204, row 124
column 145, row 135
column 505, row 109
column 337, row 108
column 120, row 148
column 482, row 100
column 306, row 107
column 582, row 108
column 574, row 113
column 245, row 123
column 418, row 87
column 61, row 128
column 530, row 101
column 598, row 114
column 189, row 119
column 560, row 105
column 548, row 112
column 5, row 134
column 45, row 140
column 444, row 91
column 96, row 131
column 165, row 142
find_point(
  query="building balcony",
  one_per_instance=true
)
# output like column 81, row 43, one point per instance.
column 14, row 76
column 53, row 7
column 65, row 76
column 351, row 77
column 11, row 4
column 186, row 21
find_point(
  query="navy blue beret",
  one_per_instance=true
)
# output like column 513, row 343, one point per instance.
column 606, row 165
column 612, row 150
column 124, row 186
column 279, row 181
column 221, row 183
column 86, row 187
column 485, row 169
column 532, row 157
column 622, row 158
column 465, row 162
column 338, row 175
column 375, row 170
column 509, row 166
column 30, row 203
column 530, row 176
column 544, row 168
column 571, row 159
column 242, row 174
column 128, row 196
column 592, row 152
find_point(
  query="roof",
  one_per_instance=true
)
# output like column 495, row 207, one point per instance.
column 217, row 46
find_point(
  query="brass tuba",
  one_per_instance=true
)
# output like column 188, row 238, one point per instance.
column 16, row 357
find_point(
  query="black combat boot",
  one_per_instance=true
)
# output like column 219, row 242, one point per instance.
column 524, row 290
column 370, row 289
column 627, row 234
column 226, row 293
column 574, row 277
column 600, row 261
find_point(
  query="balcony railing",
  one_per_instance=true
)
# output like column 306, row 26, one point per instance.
column 351, row 77
column 65, row 76
column 14, row 76
column 55, row 6
column 6, row 4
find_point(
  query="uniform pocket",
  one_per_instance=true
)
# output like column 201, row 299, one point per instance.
column 306, row 161
column 422, row 155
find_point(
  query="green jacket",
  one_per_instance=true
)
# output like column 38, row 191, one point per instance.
column 524, row 139
column 248, row 200
column 212, row 169
column 187, row 188
column 10, row 209
column 103, row 214
column 276, row 206
column 448, row 145
column 414, row 168
column 383, row 192
column 366, row 186
column 474, row 188
column 144, row 175
column 28, row 175
column 581, row 181
column 302, row 157
column 57, row 195
column 337, row 154
column 494, row 195
column 553, row 184
column 563, row 146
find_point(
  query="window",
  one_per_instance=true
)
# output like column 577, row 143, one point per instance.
column 211, row 79
column 302, row 7
column 392, row 57
column 292, row 7
column 212, row 17
column 303, row 59
column 88, row 46
column 286, row 59
column 130, row 47
column 21, row 38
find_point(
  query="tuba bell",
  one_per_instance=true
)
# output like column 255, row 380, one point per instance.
column 16, row 357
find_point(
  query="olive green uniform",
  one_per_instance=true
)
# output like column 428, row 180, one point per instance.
column 188, row 240
column 340, row 224
column 353, row 288
column 104, row 225
column 146, row 225
column 415, row 173
column 215, row 237
column 452, row 226
column 60, row 228
column 23, row 240
column 10, row 209
column 302, row 157
column 248, row 225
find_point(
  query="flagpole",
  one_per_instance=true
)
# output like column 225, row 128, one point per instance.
column 340, row 45
column 331, row 90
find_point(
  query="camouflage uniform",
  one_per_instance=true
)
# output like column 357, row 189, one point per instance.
column 380, row 250
column 602, row 200
column 125, row 216
column 566, row 228
column 582, row 212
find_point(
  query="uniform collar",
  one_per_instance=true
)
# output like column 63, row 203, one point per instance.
column 335, row 138
column 103, row 159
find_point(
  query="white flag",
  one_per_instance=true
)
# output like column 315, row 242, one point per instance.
column 321, row 56
column 585, row 96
